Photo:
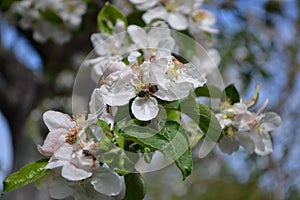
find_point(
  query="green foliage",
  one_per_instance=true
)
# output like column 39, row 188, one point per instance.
column 135, row 187
column 171, row 140
column 7, row 3
column 27, row 174
column 50, row 16
column 231, row 93
column 107, row 18
column 208, row 91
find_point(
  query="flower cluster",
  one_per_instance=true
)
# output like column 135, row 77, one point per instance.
column 59, row 16
column 72, row 160
column 150, row 73
column 179, row 14
column 246, row 128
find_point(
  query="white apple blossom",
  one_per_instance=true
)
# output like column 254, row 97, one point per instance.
column 158, row 37
column 108, row 186
column 59, row 16
column 71, row 153
column 245, row 128
column 175, row 79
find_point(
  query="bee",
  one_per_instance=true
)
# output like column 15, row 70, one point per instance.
column 147, row 90
column 87, row 153
column 107, row 108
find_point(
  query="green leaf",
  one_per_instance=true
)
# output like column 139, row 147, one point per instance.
column 107, row 18
column 171, row 140
column 231, row 93
column 145, row 137
column 136, row 18
column 206, row 120
column 51, row 16
column 104, row 126
column 27, row 174
column 178, row 147
column 135, row 187
column 208, row 91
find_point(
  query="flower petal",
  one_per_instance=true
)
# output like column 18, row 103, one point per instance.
column 73, row 173
column 118, row 90
column 270, row 121
column 53, row 140
column 245, row 141
column 228, row 145
column 144, row 109
column 155, row 13
column 138, row 35
column 55, row 120
column 177, row 21
column 106, row 181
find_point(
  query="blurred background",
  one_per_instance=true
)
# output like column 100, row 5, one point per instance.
column 259, row 43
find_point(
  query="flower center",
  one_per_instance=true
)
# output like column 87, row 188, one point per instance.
column 71, row 136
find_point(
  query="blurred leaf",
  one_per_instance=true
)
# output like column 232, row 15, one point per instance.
column 27, row 174
column 7, row 3
column 135, row 187
column 136, row 18
column 51, row 16
column 231, row 93
column 107, row 18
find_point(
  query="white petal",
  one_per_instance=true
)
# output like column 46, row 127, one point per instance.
column 155, row 13
column 119, row 90
column 138, row 35
column 106, row 181
column 100, row 43
column 268, row 144
column 245, row 141
column 73, row 173
column 270, row 121
column 64, row 152
column 191, row 73
column 175, row 91
column 177, row 21
column 60, row 189
column 53, row 140
column 228, row 145
column 55, row 120
column 144, row 109
column 55, row 164
column 96, row 103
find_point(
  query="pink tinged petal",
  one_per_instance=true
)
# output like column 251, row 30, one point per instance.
column 155, row 13
column 177, row 21
column 270, row 121
column 144, row 109
column 228, row 145
column 55, row 120
column 106, row 181
column 73, row 173
column 53, row 140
